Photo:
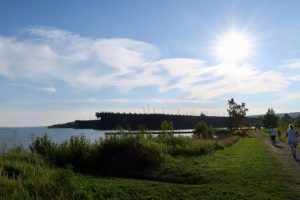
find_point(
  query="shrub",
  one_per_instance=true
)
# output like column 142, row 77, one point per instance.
column 121, row 155
column 166, row 128
column 44, row 146
column 241, row 133
column 202, row 130
column 129, row 155
column 77, row 152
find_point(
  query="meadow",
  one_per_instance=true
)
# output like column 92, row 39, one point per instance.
column 144, row 167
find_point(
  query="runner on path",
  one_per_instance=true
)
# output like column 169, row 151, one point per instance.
column 272, row 133
column 292, row 136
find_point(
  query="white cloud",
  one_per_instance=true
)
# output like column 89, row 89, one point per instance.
column 290, row 67
column 49, row 53
column 294, row 64
column 47, row 89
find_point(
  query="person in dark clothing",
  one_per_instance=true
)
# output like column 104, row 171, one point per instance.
column 279, row 134
column 272, row 133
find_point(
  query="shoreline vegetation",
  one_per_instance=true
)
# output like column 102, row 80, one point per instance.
column 234, row 165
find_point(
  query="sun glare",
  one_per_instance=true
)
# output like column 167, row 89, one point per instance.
column 234, row 47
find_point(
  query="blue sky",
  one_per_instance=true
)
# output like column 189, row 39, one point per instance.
column 61, row 61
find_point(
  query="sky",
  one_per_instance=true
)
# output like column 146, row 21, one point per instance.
column 65, row 60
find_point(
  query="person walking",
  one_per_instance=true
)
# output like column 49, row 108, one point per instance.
column 272, row 133
column 279, row 134
column 292, row 136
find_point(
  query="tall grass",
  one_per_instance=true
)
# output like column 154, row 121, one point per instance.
column 124, row 154
column 27, row 176
column 121, row 154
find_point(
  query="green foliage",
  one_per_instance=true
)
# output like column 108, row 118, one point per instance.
column 185, row 146
column 142, row 129
column 127, row 155
column 121, row 154
column 237, row 113
column 287, row 119
column 297, row 122
column 76, row 152
column 270, row 119
column 247, row 170
column 202, row 130
column 241, row 133
column 26, row 176
column 44, row 146
column 63, row 181
column 166, row 128
column 229, row 141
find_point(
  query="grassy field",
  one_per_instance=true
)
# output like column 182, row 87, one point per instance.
column 245, row 170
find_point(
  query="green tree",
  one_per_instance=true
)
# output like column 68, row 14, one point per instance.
column 297, row 122
column 202, row 130
column 237, row 113
column 270, row 119
column 287, row 119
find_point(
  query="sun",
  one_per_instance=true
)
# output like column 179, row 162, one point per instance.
column 234, row 47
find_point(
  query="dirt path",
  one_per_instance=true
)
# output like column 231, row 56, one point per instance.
column 284, row 155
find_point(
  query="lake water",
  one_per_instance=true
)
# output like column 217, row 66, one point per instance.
column 10, row 137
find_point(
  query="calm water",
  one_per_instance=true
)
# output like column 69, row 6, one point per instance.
column 23, row 136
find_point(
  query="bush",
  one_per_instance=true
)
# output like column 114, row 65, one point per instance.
column 44, row 146
column 121, row 155
column 241, row 133
column 129, row 155
column 202, row 130
column 166, row 128
column 77, row 152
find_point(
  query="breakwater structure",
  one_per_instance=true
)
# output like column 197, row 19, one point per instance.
column 134, row 121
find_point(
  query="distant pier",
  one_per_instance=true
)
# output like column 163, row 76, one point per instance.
column 148, row 132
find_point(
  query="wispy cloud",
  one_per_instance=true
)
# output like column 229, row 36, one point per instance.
column 290, row 67
column 128, row 100
column 49, row 89
column 46, row 89
column 292, row 64
column 93, row 63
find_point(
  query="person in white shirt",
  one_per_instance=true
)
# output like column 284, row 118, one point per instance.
column 292, row 136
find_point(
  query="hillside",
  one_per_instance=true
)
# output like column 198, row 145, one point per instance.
column 292, row 114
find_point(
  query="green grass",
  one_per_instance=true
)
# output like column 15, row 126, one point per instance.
column 126, row 155
column 283, row 137
column 245, row 170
